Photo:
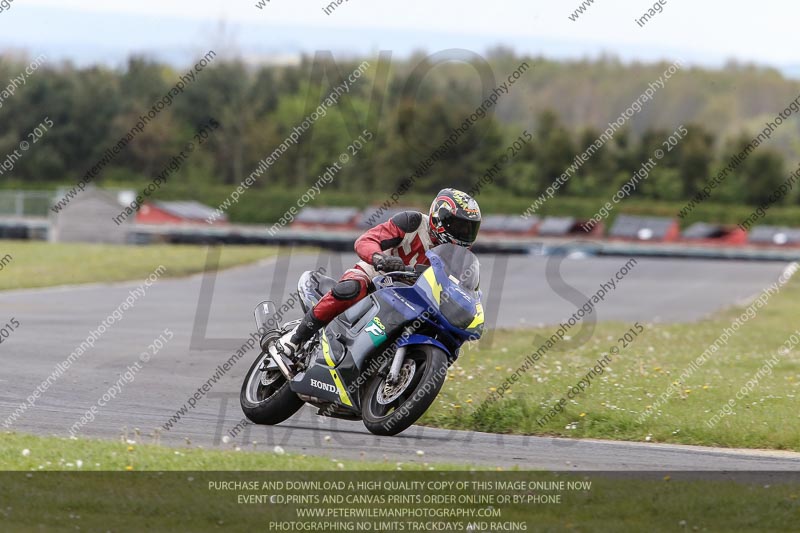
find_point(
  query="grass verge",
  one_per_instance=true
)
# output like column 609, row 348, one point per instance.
column 183, row 490
column 41, row 264
column 763, row 415
column 19, row 452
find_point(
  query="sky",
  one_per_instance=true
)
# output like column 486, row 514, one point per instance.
column 707, row 32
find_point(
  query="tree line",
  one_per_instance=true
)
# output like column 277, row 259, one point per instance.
column 412, row 107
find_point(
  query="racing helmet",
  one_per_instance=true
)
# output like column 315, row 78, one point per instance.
column 454, row 218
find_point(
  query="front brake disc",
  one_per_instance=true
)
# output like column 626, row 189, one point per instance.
column 389, row 393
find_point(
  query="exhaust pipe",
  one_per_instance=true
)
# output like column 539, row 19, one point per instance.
column 284, row 365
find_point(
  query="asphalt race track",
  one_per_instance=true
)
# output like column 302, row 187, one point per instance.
column 210, row 319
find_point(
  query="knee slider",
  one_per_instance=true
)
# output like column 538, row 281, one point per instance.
column 346, row 290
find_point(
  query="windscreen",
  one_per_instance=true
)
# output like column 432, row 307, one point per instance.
column 459, row 264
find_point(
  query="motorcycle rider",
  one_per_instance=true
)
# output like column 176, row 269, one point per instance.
column 454, row 217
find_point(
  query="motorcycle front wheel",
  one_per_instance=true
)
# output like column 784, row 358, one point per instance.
column 389, row 409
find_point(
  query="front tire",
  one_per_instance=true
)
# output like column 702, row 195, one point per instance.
column 389, row 410
column 266, row 397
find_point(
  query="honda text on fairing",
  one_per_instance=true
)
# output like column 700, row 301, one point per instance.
column 384, row 359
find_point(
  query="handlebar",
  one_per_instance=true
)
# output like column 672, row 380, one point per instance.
column 406, row 272
column 408, row 275
column 416, row 269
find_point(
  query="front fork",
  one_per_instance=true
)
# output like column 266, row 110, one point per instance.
column 397, row 363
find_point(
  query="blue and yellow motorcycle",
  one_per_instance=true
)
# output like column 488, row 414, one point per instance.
column 382, row 361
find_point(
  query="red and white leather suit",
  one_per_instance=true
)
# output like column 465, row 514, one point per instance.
column 405, row 235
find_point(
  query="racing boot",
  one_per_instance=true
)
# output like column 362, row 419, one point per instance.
column 285, row 350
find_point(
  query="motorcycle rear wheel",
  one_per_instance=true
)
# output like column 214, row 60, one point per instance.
column 404, row 407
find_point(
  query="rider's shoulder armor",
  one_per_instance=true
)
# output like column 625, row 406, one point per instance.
column 408, row 221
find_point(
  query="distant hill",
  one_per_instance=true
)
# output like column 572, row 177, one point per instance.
column 725, row 101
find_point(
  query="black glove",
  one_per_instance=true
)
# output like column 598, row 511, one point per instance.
column 387, row 263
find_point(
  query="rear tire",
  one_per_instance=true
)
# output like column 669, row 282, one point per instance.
column 266, row 397
column 387, row 419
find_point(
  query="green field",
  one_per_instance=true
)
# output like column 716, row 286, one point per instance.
column 133, row 455
column 154, row 488
column 40, row 264
column 764, row 417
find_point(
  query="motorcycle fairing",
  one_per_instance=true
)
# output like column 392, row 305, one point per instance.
column 344, row 347
column 416, row 339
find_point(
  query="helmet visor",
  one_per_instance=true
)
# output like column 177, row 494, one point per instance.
column 463, row 230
